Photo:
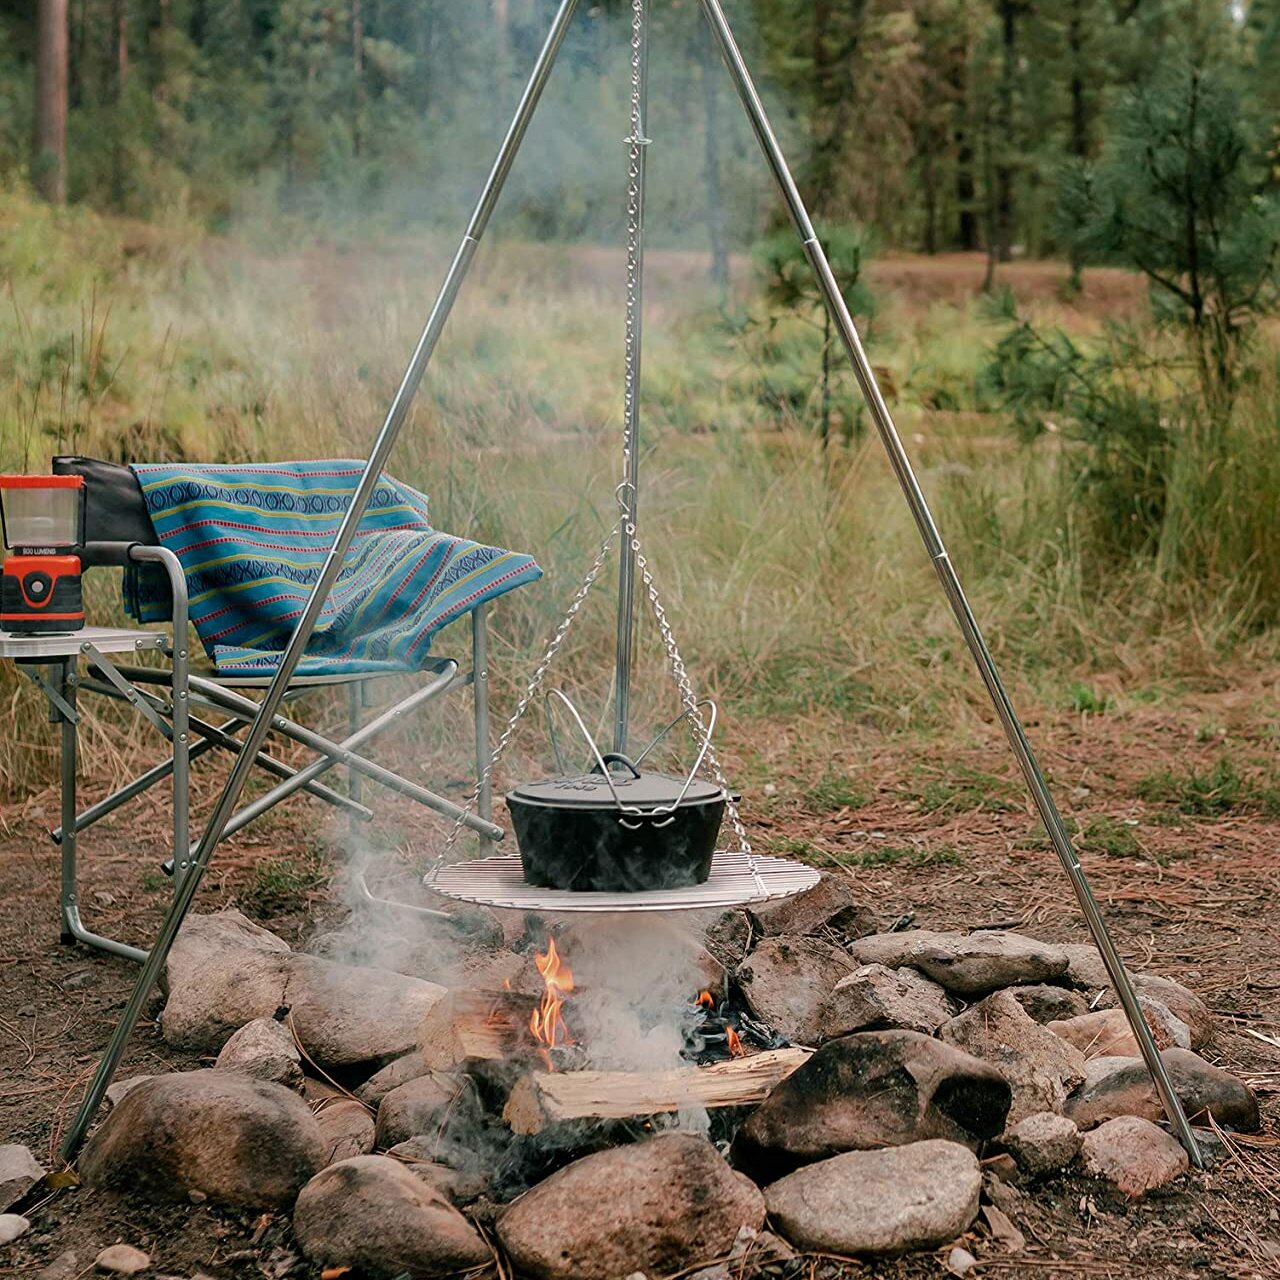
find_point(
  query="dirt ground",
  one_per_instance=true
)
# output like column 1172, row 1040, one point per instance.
column 1182, row 854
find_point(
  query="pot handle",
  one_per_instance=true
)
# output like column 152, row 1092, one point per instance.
column 601, row 765
column 616, row 757
column 702, row 754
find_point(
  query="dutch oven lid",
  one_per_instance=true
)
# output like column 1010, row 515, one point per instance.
column 591, row 791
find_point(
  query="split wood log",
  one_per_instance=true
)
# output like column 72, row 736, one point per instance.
column 543, row 1098
column 475, row 1026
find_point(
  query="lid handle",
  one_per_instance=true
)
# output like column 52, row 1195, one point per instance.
column 616, row 757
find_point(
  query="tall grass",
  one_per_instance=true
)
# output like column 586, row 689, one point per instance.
column 795, row 579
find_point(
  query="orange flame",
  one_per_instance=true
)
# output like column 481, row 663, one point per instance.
column 736, row 1049
column 546, row 1023
column 704, row 999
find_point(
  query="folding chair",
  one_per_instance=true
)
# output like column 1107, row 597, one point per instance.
column 201, row 711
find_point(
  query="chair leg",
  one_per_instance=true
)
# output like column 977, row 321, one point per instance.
column 67, row 892
column 355, row 718
column 480, row 689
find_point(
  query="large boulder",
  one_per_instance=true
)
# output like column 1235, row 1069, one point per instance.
column 873, row 1089
column 225, row 971
column 785, row 980
column 1184, row 1004
column 242, row 1142
column 345, row 1015
column 1041, row 1067
column 879, row 1202
column 370, row 1214
column 1123, row 1087
column 1106, row 1033
column 423, row 1106
column 1134, row 1155
column 264, row 1049
column 832, row 908
column 873, row 997
column 654, row 1207
column 222, row 971
column 967, row 964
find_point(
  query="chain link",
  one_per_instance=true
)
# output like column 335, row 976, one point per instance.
column 626, row 493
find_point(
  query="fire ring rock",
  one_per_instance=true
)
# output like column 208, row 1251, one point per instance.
column 879, row 1202
column 372, row 1215
column 873, row 1089
column 785, row 980
column 243, row 1142
column 656, row 1207
column 967, row 964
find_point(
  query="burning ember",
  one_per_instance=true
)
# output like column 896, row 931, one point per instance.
column 714, row 1032
column 546, row 1023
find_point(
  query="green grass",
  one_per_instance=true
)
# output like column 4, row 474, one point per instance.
column 1109, row 836
column 834, row 791
column 795, row 583
column 1212, row 793
column 961, row 789
column 1083, row 698
column 281, row 886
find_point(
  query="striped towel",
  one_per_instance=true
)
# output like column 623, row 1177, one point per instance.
column 253, row 539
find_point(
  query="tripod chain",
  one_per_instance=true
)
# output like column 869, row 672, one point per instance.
column 688, row 698
column 535, row 682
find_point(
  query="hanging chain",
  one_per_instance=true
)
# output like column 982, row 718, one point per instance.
column 535, row 682
column 626, row 491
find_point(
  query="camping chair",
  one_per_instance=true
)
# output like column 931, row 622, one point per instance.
column 200, row 710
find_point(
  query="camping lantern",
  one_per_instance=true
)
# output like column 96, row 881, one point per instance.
column 42, row 518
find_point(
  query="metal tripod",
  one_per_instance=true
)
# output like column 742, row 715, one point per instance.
column 386, row 438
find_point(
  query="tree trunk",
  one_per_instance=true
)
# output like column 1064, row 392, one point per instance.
column 502, row 21
column 49, row 151
column 119, row 153
column 1004, row 164
column 962, row 142
column 715, row 187
column 357, row 73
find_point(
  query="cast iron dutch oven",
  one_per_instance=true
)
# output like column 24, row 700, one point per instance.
column 622, row 833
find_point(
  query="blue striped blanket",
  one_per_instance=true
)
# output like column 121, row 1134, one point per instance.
column 252, row 540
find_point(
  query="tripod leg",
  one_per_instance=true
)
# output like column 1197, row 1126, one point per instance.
column 901, row 465
column 378, row 454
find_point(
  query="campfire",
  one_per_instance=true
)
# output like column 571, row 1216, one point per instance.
column 546, row 1023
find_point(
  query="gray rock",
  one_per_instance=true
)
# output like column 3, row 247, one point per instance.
column 1084, row 966
column 1043, row 1143
column 418, row 1155
column 1105, row 1033
column 422, row 1105
column 346, row 1129
column 19, row 1172
column 879, row 1202
column 873, row 996
column 117, row 1091
column 650, row 1207
column 245, row 1143
column 405, row 1068
column 1045, row 1003
column 784, row 980
column 1041, row 1068
column 345, row 1015
column 222, row 972
column 1181, row 1002
column 122, row 1260
column 833, row 908
column 873, row 1089
column 265, row 1050
column 225, row 971
column 1134, row 1155
column 966, row 964
column 372, row 1215
column 1122, row 1087
column 12, row 1225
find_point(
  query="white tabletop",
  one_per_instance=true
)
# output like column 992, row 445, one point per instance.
column 64, row 644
